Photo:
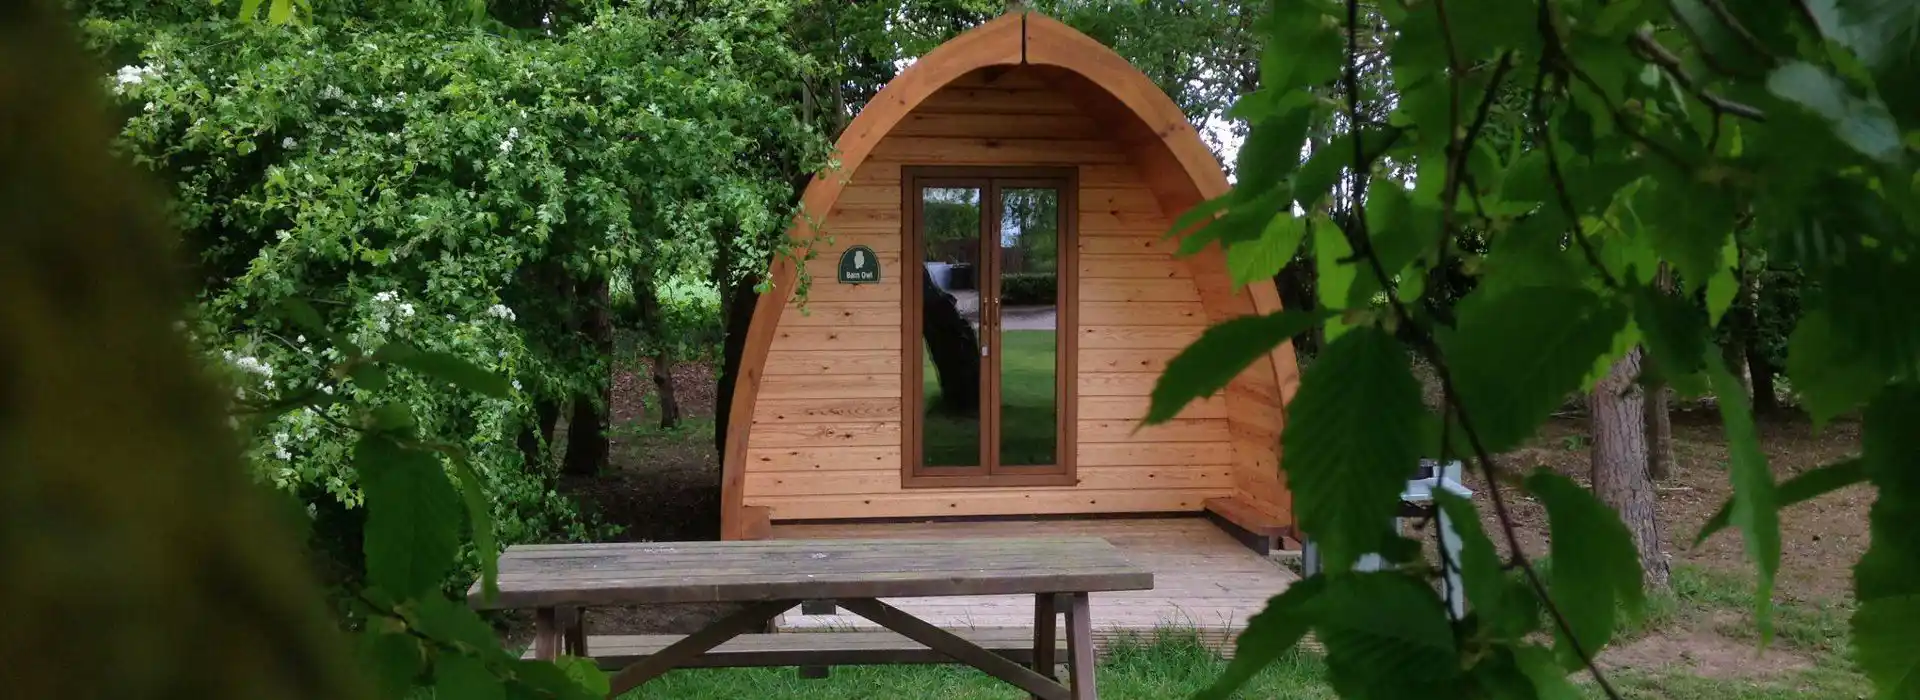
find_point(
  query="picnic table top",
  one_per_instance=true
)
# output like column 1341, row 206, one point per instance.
column 633, row 573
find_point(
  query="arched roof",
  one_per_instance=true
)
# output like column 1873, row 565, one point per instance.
column 1175, row 162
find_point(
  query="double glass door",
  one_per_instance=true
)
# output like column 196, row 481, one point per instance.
column 989, row 343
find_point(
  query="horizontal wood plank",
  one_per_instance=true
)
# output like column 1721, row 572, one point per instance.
column 1140, row 313
column 1114, row 454
column 836, row 339
column 1131, row 431
column 1125, row 360
column 614, row 652
column 1135, row 408
column 997, row 151
column 827, row 483
column 966, row 100
column 979, row 125
column 773, row 459
column 884, row 314
column 1130, row 337
column 970, row 502
column 826, row 434
column 830, row 386
column 1144, row 242
column 852, row 410
column 1136, row 290
column 1111, row 266
column 689, row 572
column 1116, row 383
column 817, row 362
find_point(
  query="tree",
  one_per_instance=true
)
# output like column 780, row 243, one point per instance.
column 1622, row 476
column 1635, row 136
column 1659, row 417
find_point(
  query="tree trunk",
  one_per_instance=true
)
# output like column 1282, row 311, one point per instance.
column 651, row 321
column 1659, row 420
column 536, row 441
column 587, row 442
column 733, row 345
column 954, row 346
column 1765, row 401
column 1620, row 478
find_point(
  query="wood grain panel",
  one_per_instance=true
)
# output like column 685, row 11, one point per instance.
column 1139, row 337
column 869, row 196
column 826, row 434
column 998, row 125
column 856, row 410
column 1141, row 313
column 922, row 150
column 1137, row 290
column 1103, row 220
column 830, row 386
column 881, row 314
column 1003, row 78
column 1177, row 430
column 1116, row 383
column 887, row 173
column 962, row 502
column 1137, row 199
column 1130, row 267
column 964, row 100
column 1134, row 408
column 883, row 236
column 837, row 339
column 824, row 458
column 1124, row 359
column 1093, row 242
column 849, row 483
column 825, row 289
column 814, row 362
column 1116, row 454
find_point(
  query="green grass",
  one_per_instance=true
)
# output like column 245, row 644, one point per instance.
column 1174, row 665
column 1029, row 409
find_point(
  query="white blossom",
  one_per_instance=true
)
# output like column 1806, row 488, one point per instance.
column 132, row 75
column 406, row 309
column 149, row 107
column 283, row 236
column 288, row 143
column 506, row 146
column 331, row 92
column 282, row 453
column 516, row 385
column 269, row 384
column 384, row 296
column 299, row 339
column 500, row 311
column 251, row 364
column 326, row 389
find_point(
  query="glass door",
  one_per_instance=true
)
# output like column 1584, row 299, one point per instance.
column 989, row 338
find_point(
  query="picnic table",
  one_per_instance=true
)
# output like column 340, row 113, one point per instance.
column 769, row 577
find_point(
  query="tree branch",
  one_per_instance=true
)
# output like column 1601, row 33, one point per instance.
column 1651, row 50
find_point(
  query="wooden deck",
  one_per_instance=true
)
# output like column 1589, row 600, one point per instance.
column 1204, row 580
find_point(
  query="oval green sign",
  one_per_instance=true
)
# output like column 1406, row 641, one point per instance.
column 858, row 265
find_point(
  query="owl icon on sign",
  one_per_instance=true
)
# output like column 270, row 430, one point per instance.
column 859, row 260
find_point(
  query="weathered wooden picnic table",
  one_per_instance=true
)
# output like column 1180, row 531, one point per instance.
column 772, row 576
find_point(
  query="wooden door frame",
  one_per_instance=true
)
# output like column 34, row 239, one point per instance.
column 989, row 180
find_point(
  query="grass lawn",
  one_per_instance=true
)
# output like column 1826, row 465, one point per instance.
column 1028, row 408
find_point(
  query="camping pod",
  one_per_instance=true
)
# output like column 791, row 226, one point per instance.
column 991, row 296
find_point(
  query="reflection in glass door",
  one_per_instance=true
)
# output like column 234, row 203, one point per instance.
column 989, row 336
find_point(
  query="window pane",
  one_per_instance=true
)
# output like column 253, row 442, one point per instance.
column 1029, row 338
column 950, row 326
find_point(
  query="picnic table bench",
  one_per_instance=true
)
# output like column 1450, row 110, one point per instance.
column 769, row 577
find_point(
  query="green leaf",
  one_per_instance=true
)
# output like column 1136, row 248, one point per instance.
column 1549, row 680
column 1831, row 376
column 393, row 659
column 1220, row 354
column 1863, row 124
column 1401, row 229
column 1269, row 635
column 1676, row 338
column 1271, row 151
column 473, row 492
column 1516, row 355
column 585, row 674
column 1688, row 224
column 1324, row 164
column 1371, row 622
column 1595, row 565
column 1354, row 437
column 1204, row 211
column 413, row 516
column 280, row 11
column 553, row 681
column 1890, row 447
column 368, row 376
column 1481, row 574
column 1724, row 284
column 448, row 368
column 249, row 10
column 465, row 678
column 1244, row 221
column 393, row 416
column 1334, row 274
column 1807, row 486
column 453, row 623
column 1755, row 510
column 1250, row 261
column 1886, row 643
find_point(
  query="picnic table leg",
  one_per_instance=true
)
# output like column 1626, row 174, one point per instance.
column 546, row 634
column 1044, row 634
column 1080, row 648
column 955, row 647
column 693, row 645
column 573, row 633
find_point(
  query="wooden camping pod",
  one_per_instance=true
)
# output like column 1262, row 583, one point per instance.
column 816, row 428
